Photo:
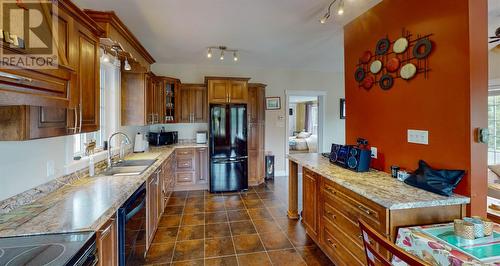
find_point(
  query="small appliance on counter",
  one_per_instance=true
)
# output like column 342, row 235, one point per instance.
column 201, row 137
column 352, row 157
column 163, row 138
column 140, row 143
column 77, row 248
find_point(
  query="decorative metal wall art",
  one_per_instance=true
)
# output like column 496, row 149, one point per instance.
column 403, row 58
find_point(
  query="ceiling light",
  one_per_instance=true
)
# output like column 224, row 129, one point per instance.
column 223, row 49
column 209, row 53
column 324, row 18
column 341, row 8
column 105, row 57
column 235, row 56
column 221, row 55
column 126, row 65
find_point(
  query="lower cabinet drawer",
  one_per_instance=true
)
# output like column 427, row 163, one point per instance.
column 355, row 248
column 184, row 178
column 335, row 217
column 185, row 164
column 336, row 249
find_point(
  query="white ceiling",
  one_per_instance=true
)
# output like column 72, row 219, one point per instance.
column 268, row 33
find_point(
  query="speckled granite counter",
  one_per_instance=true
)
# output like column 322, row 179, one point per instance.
column 83, row 205
column 377, row 186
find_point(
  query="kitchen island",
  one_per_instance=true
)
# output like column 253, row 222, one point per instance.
column 334, row 199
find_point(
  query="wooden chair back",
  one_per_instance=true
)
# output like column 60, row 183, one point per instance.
column 375, row 257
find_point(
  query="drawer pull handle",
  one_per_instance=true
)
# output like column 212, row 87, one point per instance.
column 331, row 243
column 365, row 210
column 330, row 190
column 331, row 214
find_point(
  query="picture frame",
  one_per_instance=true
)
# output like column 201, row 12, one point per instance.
column 273, row 103
column 342, row 108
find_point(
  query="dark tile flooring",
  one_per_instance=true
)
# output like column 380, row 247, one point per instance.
column 247, row 228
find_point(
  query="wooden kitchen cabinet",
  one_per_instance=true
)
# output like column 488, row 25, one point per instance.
column 227, row 90
column 256, row 133
column 56, row 102
column 201, row 165
column 194, row 105
column 331, row 213
column 107, row 243
column 310, row 192
column 167, row 99
column 152, row 218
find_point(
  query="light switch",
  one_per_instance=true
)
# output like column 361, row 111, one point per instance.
column 418, row 136
column 374, row 152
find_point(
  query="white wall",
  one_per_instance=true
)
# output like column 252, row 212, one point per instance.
column 277, row 80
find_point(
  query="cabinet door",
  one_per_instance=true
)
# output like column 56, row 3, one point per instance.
column 252, row 107
column 88, row 78
column 47, row 122
column 151, row 208
column 159, row 100
column 201, row 165
column 107, row 246
column 198, row 104
column 185, row 108
column 253, row 136
column 218, row 91
column 159, row 196
column 310, row 201
column 238, row 91
column 253, row 167
column 261, row 105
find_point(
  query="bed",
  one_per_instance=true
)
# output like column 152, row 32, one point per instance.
column 303, row 142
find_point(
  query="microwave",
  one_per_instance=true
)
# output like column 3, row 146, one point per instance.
column 163, row 138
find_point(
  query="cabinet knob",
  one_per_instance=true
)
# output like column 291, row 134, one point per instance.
column 364, row 209
column 331, row 243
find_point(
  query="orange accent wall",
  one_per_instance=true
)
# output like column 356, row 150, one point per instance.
column 451, row 103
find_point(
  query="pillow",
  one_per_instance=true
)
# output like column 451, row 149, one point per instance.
column 495, row 169
column 441, row 181
column 304, row 135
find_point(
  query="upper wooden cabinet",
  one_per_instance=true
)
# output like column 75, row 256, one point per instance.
column 227, row 90
column 193, row 107
column 168, row 99
column 55, row 102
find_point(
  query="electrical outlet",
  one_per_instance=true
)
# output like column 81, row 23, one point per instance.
column 418, row 136
column 50, row 168
column 374, row 152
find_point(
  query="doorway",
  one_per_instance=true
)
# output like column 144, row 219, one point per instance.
column 303, row 124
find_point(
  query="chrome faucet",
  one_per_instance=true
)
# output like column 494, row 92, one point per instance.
column 127, row 141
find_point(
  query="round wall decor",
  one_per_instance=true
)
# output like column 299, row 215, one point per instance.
column 376, row 66
column 365, row 58
column 392, row 64
column 382, row 46
column 368, row 82
column 422, row 48
column 400, row 45
column 359, row 74
column 386, row 82
column 408, row 71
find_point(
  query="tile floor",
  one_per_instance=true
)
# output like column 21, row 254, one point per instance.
column 247, row 228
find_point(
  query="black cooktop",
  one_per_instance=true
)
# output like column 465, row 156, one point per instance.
column 52, row 249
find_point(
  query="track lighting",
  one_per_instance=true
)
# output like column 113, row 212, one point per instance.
column 327, row 15
column 340, row 11
column 126, row 65
column 223, row 50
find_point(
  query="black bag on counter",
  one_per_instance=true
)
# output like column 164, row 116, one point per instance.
column 441, row 181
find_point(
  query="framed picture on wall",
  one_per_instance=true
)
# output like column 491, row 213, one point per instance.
column 342, row 108
column 273, row 103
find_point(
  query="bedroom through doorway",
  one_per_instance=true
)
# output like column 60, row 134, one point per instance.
column 303, row 124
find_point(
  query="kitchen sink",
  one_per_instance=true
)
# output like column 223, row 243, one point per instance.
column 128, row 167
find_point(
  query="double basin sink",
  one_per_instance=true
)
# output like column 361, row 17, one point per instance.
column 128, row 167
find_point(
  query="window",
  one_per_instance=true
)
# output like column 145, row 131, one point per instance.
column 98, row 136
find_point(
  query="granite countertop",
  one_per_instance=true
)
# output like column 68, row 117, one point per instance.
column 84, row 205
column 377, row 186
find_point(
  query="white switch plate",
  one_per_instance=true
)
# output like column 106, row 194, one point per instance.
column 374, row 152
column 50, row 168
column 418, row 136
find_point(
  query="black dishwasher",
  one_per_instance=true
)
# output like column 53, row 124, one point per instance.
column 132, row 228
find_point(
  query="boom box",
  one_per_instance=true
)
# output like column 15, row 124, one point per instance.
column 351, row 157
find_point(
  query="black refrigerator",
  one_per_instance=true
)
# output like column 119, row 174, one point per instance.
column 228, row 147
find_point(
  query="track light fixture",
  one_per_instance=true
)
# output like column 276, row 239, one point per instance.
column 327, row 15
column 223, row 50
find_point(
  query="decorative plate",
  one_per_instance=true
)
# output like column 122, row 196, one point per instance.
column 400, row 45
column 393, row 64
column 408, row 71
column 376, row 66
